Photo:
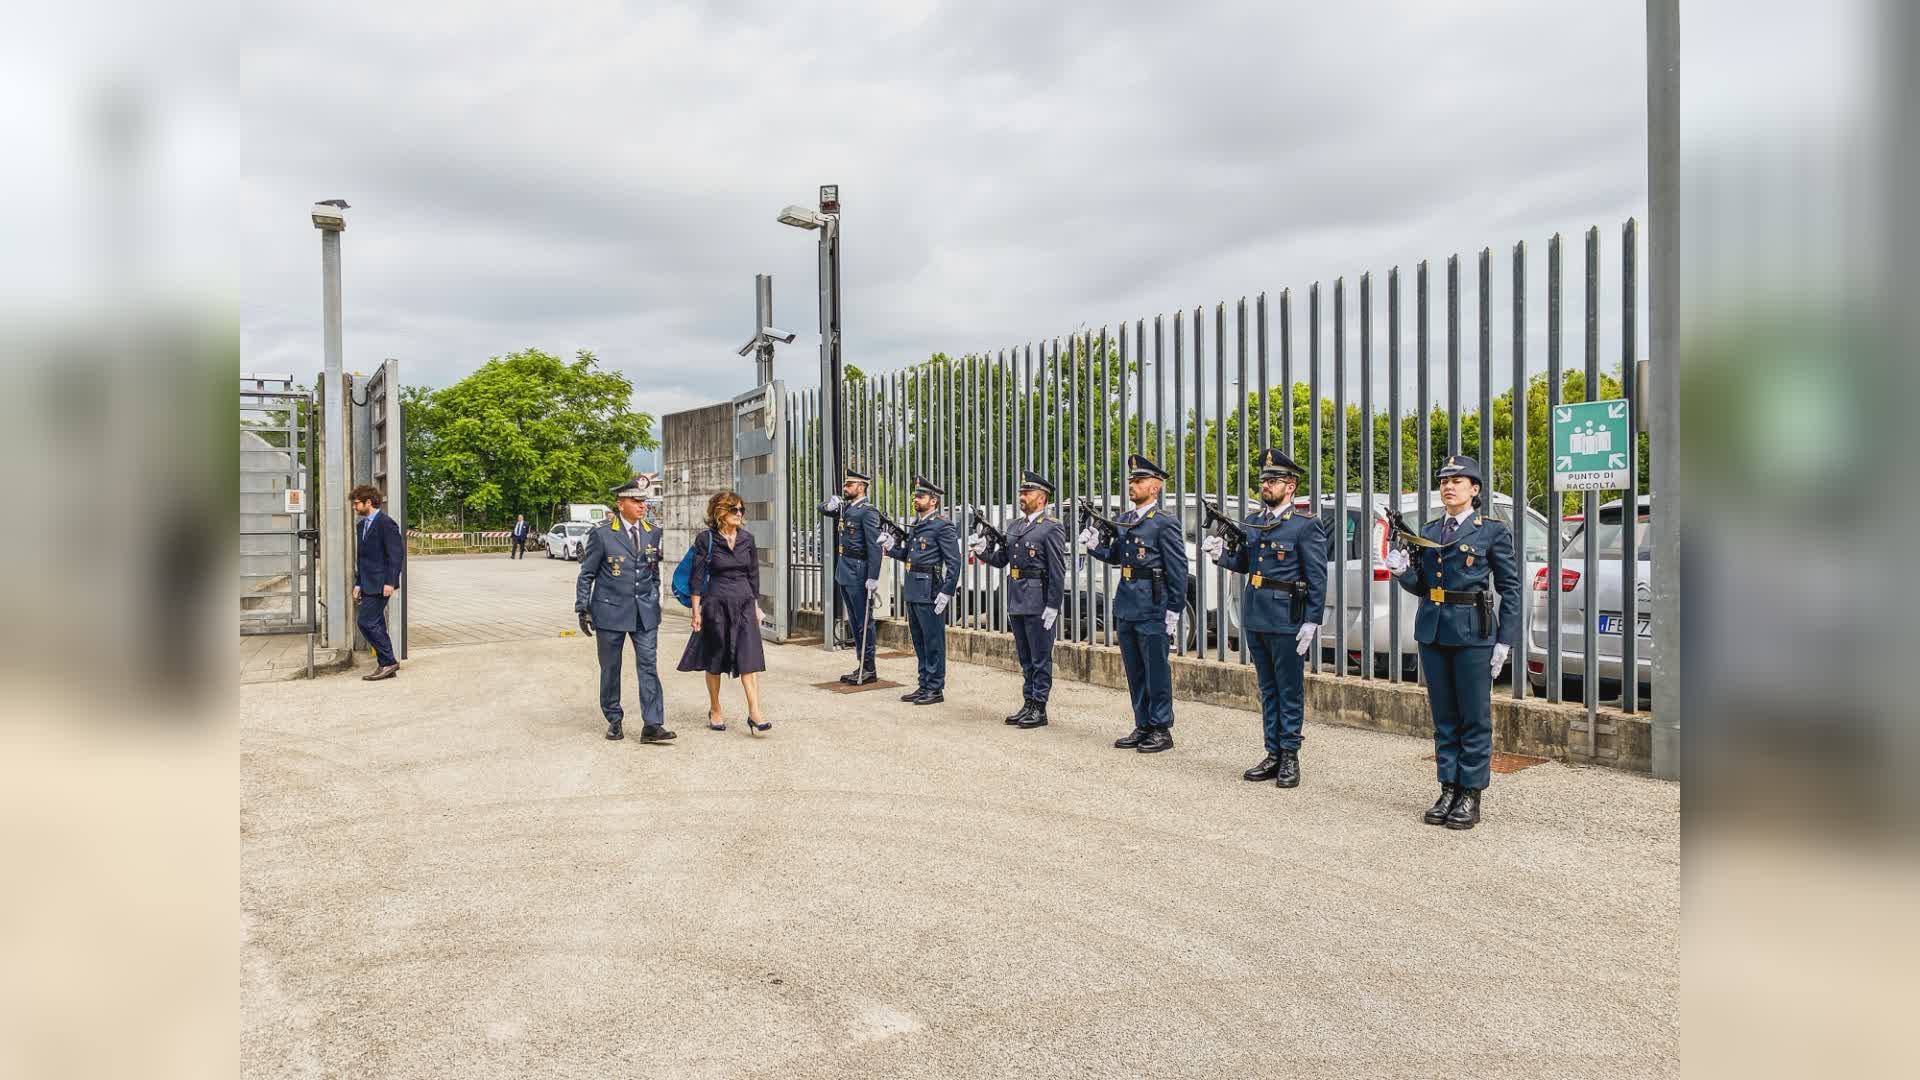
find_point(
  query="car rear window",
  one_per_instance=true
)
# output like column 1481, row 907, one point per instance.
column 1610, row 534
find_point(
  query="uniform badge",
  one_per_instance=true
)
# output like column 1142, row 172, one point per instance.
column 1469, row 560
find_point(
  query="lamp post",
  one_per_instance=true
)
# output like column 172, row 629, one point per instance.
column 833, row 418
column 330, row 218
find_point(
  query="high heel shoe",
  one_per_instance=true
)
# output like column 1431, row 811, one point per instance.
column 711, row 726
column 751, row 726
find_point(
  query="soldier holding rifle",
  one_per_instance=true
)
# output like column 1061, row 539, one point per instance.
column 1151, row 551
column 1283, row 552
column 856, row 570
column 931, row 550
column 1033, row 550
column 1463, row 559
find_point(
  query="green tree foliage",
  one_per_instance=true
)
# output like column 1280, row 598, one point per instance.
column 523, row 434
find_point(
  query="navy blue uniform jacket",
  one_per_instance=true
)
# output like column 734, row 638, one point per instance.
column 620, row 576
column 932, row 555
column 1149, row 540
column 856, row 545
column 1037, row 555
column 1481, row 555
column 1288, row 547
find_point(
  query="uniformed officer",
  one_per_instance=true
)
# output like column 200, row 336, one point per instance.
column 1285, row 560
column 932, row 555
column 1035, row 556
column 856, row 569
column 1462, row 646
column 1151, row 552
column 617, row 597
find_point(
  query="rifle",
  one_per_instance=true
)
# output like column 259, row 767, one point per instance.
column 1401, row 534
column 983, row 527
column 891, row 527
column 1223, row 526
column 1108, row 528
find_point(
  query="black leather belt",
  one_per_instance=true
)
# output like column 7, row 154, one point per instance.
column 1448, row 596
column 1018, row 574
column 1288, row 587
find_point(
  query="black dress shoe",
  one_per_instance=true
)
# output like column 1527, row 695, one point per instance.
column 1026, row 710
column 1034, row 719
column 656, row 735
column 1157, row 740
column 1466, row 810
column 1437, row 813
column 613, row 730
column 383, row 671
column 1132, row 739
column 1268, row 768
column 863, row 677
column 929, row 697
column 912, row 694
column 1289, row 774
column 851, row 677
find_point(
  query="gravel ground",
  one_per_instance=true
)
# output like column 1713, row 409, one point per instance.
column 452, row 874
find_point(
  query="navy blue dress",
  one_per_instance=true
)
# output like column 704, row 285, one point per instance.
column 728, row 585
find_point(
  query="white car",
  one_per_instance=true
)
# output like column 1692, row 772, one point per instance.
column 567, row 540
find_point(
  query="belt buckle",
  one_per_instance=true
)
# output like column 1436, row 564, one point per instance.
column 1014, row 573
column 1127, row 572
column 1256, row 581
column 1438, row 596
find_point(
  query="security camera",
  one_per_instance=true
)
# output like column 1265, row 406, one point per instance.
column 782, row 336
column 330, row 215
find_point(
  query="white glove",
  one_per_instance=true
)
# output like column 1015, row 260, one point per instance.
column 1305, row 638
column 872, row 584
column 886, row 541
column 832, row 505
column 940, row 604
column 759, row 615
column 978, row 545
column 1047, row 618
column 1214, row 546
column 1088, row 537
column 1397, row 561
column 1173, row 623
column 1499, row 659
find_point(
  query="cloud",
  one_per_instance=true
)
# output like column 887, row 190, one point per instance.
column 607, row 178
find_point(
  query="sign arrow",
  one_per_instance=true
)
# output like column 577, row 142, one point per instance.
column 1617, row 409
column 1563, row 415
column 1563, row 462
column 1616, row 461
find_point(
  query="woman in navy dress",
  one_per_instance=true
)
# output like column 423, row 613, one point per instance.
column 726, row 610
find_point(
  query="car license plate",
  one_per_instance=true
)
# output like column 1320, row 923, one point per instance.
column 1611, row 622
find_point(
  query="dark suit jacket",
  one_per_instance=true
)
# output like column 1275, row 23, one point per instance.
column 521, row 529
column 383, row 554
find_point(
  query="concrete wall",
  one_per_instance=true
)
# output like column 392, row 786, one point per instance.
column 696, row 460
column 1532, row 727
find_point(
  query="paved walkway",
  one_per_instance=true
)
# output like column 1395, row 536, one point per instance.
column 451, row 874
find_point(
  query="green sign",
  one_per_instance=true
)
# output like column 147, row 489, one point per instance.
column 1591, row 451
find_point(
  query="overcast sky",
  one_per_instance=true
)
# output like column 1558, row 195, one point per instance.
column 605, row 176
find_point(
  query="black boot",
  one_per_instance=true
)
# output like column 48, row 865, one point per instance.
column 1026, row 710
column 1466, row 810
column 911, row 694
column 851, row 677
column 613, row 730
column 1437, row 813
column 1268, row 768
column 1036, row 717
column 1289, row 774
column 656, row 735
column 1157, row 739
column 1132, row 739
column 862, row 676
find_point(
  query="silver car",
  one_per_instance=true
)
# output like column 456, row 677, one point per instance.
column 1608, row 623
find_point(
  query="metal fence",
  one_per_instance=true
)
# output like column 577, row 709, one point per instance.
column 1074, row 407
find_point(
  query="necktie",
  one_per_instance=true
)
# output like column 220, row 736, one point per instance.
column 1446, row 531
column 365, row 524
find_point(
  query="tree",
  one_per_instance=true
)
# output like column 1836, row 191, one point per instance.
column 524, row 433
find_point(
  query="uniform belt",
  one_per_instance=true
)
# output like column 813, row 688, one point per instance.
column 1026, row 575
column 1153, row 572
column 1260, row 582
column 1448, row 596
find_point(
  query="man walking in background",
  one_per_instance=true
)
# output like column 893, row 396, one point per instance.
column 381, row 557
column 519, row 537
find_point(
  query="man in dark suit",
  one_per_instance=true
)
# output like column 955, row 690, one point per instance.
column 520, row 529
column 381, row 558
column 617, row 598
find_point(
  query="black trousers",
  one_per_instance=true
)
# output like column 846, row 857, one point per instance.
column 519, row 548
column 372, row 619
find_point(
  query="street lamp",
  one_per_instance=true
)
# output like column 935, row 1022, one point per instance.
column 329, row 216
column 826, row 220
